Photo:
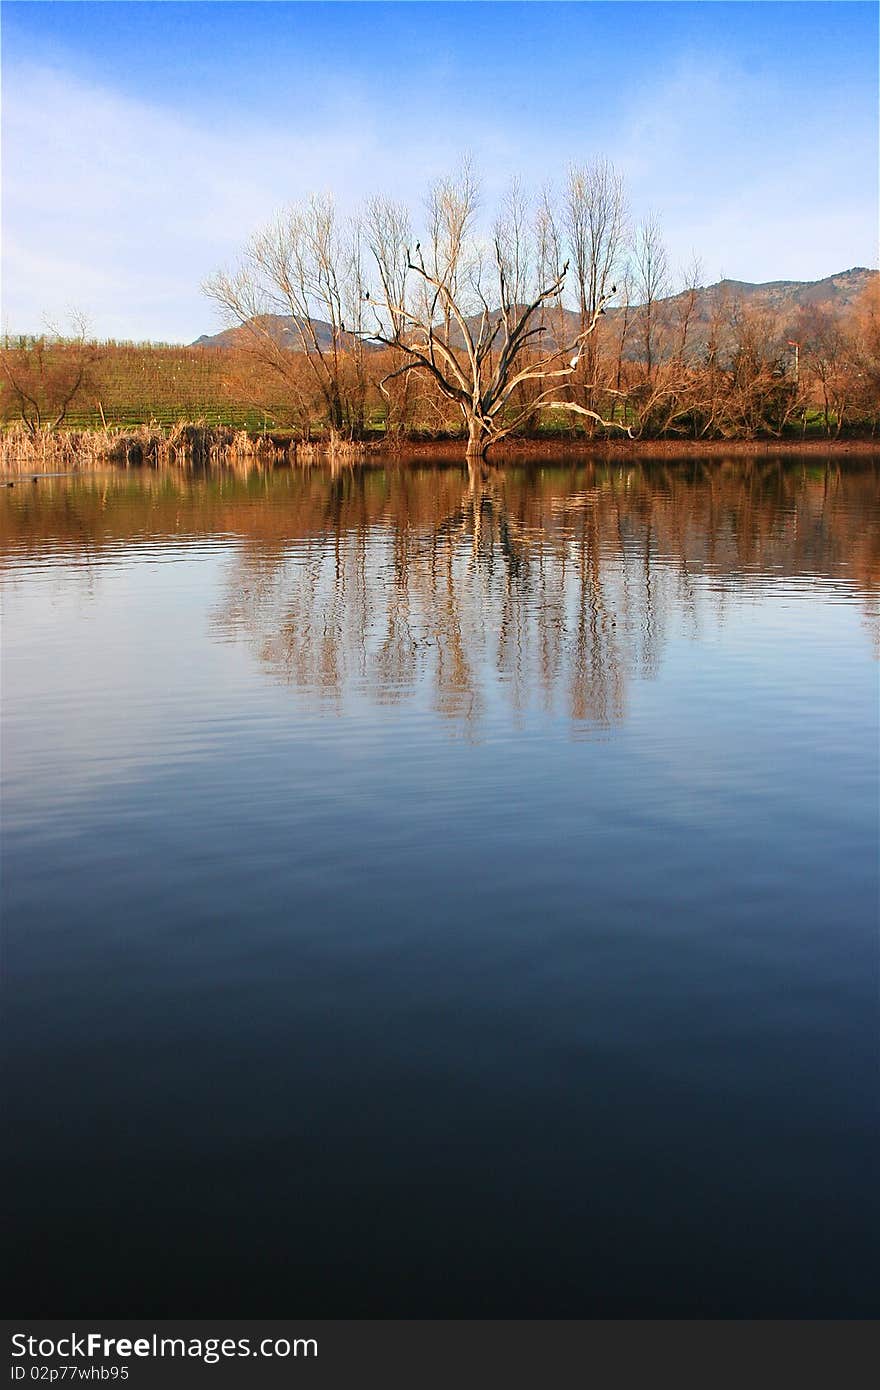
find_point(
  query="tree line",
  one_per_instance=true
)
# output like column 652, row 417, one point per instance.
column 550, row 312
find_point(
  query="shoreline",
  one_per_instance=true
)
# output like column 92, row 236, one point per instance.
column 89, row 453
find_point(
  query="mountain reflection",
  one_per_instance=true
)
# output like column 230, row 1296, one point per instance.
column 545, row 588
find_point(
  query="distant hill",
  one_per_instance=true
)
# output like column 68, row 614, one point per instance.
column 283, row 330
column 783, row 298
column 837, row 291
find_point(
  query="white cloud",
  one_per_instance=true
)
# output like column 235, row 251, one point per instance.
column 122, row 207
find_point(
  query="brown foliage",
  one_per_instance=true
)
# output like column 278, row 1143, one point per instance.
column 43, row 377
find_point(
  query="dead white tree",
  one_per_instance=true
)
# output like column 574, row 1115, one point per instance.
column 470, row 316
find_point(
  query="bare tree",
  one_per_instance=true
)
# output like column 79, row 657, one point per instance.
column 685, row 305
column 651, row 274
column 827, row 359
column 676, row 399
column 387, row 234
column 760, row 396
column 43, row 377
column 624, row 324
column 469, row 315
column 306, row 268
column 594, row 217
column 865, row 353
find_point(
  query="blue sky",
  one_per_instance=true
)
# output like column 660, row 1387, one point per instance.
column 144, row 142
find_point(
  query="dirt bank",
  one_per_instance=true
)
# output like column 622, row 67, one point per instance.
column 631, row 450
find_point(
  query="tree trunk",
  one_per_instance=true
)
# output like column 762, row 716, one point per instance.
column 477, row 443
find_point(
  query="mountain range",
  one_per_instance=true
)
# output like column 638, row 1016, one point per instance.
column 784, row 299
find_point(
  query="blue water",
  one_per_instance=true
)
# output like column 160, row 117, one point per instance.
column 442, row 897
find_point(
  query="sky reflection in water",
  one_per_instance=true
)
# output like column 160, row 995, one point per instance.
column 435, row 896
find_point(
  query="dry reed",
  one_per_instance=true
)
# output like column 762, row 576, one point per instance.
column 184, row 445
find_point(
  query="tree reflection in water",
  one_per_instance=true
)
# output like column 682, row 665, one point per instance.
column 546, row 587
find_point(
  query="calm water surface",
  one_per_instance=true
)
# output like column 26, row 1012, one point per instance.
column 425, row 897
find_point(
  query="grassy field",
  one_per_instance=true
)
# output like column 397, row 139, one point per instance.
column 129, row 386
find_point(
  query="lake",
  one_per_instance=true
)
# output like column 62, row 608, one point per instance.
column 436, row 896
